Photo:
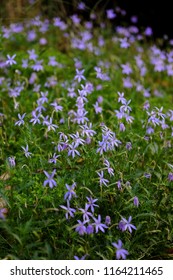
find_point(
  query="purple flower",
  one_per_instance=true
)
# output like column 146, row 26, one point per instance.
column 136, row 201
column 126, row 69
column 87, row 130
column 128, row 146
column 35, row 118
column 70, row 193
column 122, row 127
column 91, row 203
column 3, row 212
column 77, row 140
column 27, row 153
column 50, row 179
column 12, row 161
column 89, row 229
column 57, row 107
column 82, row 258
column 85, row 212
column 170, row 176
column 10, row 60
column 103, row 181
column 79, row 75
column 75, row 19
column 69, row 211
column 32, row 54
column 109, row 169
column 80, row 227
column 98, row 225
column 123, row 43
column 120, row 252
column 37, row 66
column 148, row 31
column 21, row 121
column 126, row 225
column 121, row 97
column 72, row 151
column 81, row 6
column 50, row 125
column 54, row 158
column 108, row 220
column 147, row 175
column 97, row 108
column 110, row 14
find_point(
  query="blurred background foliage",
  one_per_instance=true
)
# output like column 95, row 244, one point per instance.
column 15, row 10
column 156, row 14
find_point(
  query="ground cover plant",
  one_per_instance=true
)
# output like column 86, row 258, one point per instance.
column 86, row 165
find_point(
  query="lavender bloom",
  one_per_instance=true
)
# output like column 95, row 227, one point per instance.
column 75, row 19
column 119, row 184
column 50, row 179
column 126, row 69
column 24, row 63
column 52, row 61
column 79, row 117
column 79, row 75
column 136, row 201
column 3, row 212
column 97, row 108
column 124, row 44
column 102, row 180
column 125, row 107
column 126, row 225
column 72, row 151
column 10, row 61
column 80, row 227
column 91, row 203
column 121, row 98
column 50, row 125
column 98, row 225
column 43, row 99
column 81, row 6
column 70, row 193
column 37, row 66
column 89, row 229
column 148, row 31
column 128, row 146
column 82, row 258
column 85, row 212
column 87, row 130
column 27, row 153
column 31, row 35
column 69, row 211
column 57, row 107
column 108, row 220
column 147, row 175
column 12, row 161
column 120, row 252
column 127, row 83
column 32, row 54
column 110, row 14
column 77, row 140
column 109, row 169
column 122, row 127
column 54, row 158
column 21, row 121
column 35, row 118
column 71, row 92
column 170, row 176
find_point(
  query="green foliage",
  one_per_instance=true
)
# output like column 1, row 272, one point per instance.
column 35, row 226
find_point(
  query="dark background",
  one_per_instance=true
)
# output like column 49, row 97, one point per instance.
column 156, row 14
column 152, row 13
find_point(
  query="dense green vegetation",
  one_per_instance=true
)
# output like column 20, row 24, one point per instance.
column 85, row 141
